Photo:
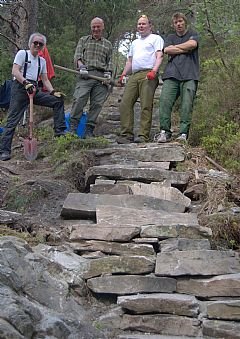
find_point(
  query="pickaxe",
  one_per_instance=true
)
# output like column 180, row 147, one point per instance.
column 105, row 81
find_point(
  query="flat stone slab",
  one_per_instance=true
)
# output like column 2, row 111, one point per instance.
column 99, row 232
column 83, row 205
column 153, row 336
column 116, row 189
column 184, row 244
column 221, row 329
column 120, row 265
column 158, row 323
column 144, row 174
column 131, row 284
column 174, row 231
column 145, row 240
column 9, row 217
column 151, row 152
column 177, row 304
column 134, row 216
column 113, row 248
column 157, row 164
column 220, row 286
column 197, row 263
column 159, row 191
column 224, row 310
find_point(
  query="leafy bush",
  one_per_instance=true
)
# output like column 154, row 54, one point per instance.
column 224, row 145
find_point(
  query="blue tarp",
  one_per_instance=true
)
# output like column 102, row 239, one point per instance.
column 5, row 94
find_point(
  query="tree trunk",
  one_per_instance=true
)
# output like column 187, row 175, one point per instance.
column 25, row 20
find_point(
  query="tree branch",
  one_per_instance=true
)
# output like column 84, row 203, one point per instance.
column 10, row 40
column 210, row 31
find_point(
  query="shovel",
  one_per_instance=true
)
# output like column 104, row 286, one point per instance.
column 30, row 144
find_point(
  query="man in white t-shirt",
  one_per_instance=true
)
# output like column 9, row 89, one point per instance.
column 27, row 66
column 144, row 59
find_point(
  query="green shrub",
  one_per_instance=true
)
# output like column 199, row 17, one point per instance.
column 223, row 144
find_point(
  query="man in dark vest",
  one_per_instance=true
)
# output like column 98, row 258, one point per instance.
column 27, row 66
column 180, row 78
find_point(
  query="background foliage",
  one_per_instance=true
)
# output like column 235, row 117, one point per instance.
column 216, row 113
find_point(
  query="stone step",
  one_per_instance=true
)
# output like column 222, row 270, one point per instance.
column 112, row 248
column 155, row 189
column 150, row 152
column 83, row 205
column 100, row 232
column 143, row 174
column 131, row 284
column 221, row 286
column 176, row 304
column 155, row 224
column 224, row 310
column 175, row 231
column 184, row 244
column 179, row 263
column 134, row 216
column 154, row 336
column 164, row 324
column 119, row 265
column 221, row 329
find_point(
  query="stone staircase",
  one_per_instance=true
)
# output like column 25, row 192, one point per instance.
column 142, row 244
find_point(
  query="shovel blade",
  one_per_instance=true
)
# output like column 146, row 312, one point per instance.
column 30, row 149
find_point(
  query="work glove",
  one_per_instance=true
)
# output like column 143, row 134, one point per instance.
column 58, row 94
column 29, row 87
column 122, row 79
column 83, row 71
column 151, row 75
column 107, row 75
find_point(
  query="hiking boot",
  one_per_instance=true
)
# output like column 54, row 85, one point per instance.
column 140, row 140
column 89, row 131
column 162, row 137
column 122, row 139
column 4, row 156
column 182, row 138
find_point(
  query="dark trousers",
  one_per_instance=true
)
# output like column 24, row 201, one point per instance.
column 18, row 104
column 88, row 89
column 171, row 90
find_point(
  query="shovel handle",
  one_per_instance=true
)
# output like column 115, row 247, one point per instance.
column 106, row 81
column 31, row 114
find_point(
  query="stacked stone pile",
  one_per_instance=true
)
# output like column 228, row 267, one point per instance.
column 142, row 244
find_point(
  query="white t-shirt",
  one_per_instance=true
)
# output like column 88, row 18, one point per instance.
column 143, row 52
column 32, row 67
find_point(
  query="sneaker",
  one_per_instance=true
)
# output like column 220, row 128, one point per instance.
column 122, row 139
column 182, row 137
column 162, row 137
column 140, row 140
column 89, row 131
column 4, row 156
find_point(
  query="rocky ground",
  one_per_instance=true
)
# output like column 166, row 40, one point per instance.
column 36, row 192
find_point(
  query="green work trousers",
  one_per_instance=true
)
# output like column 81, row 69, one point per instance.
column 171, row 90
column 138, row 86
column 84, row 90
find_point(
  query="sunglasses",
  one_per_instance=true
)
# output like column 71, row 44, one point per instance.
column 38, row 43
